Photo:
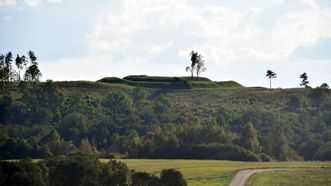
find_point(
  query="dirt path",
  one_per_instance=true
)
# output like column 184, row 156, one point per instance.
column 242, row 176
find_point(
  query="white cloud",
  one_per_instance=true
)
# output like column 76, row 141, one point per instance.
column 7, row 3
column 223, row 33
column 277, row 1
column 299, row 29
column 33, row 2
column 140, row 32
column 30, row 3
column 310, row 3
column 54, row 1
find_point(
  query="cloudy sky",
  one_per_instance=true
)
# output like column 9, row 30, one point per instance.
column 240, row 40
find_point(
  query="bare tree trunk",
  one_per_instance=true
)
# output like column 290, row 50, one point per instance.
column 270, row 82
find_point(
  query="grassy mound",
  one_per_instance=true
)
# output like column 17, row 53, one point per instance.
column 117, row 80
column 187, row 78
column 161, row 82
column 229, row 84
column 153, row 82
column 144, row 78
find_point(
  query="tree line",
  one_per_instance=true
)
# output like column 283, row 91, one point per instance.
column 304, row 77
column 198, row 66
column 78, row 169
column 28, row 65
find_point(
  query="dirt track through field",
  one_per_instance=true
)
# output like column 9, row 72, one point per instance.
column 242, row 176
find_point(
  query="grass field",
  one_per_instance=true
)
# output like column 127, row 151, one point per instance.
column 292, row 178
column 211, row 172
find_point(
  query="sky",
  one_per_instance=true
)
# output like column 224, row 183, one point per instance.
column 240, row 40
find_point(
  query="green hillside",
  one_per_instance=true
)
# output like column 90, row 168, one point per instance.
column 164, row 117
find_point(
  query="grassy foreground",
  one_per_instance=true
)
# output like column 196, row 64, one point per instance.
column 292, row 178
column 210, row 172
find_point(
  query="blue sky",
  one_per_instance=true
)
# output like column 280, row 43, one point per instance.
column 241, row 40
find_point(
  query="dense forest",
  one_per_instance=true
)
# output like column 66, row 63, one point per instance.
column 113, row 120
column 161, row 117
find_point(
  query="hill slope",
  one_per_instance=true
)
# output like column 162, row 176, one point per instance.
column 160, row 119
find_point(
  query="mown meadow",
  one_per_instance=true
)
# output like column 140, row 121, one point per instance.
column 292, row 178
column 216, row 172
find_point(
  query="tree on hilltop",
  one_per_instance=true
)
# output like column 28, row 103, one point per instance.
column 9, row 74
column 20, row 62
column 304, row 78
column 325, row 86
column 271, row 75
column 32, row 73
column 32, row 57
column 197, row 64
column 6, row 70
column 2, row 69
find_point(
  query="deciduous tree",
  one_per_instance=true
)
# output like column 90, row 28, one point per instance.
column 249, row 138
column 197, row 64
column 172, row 177
column 278, row 144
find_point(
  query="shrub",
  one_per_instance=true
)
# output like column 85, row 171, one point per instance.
column 144, row 179
column 113, row 173
column 172, row 177
column 265, row 157
column 24, row 172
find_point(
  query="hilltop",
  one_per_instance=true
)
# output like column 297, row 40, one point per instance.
column 162, row 82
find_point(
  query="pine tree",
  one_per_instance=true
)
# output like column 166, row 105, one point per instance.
column 271, row 75
column 32, row 72
column 20, row 62
column 304, row 81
